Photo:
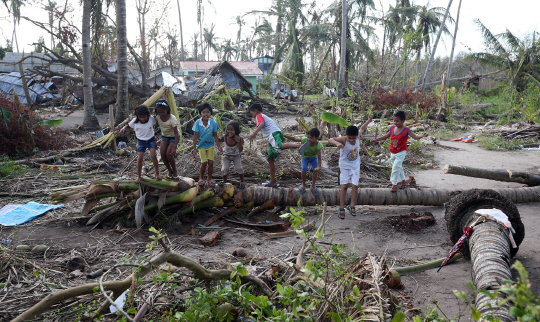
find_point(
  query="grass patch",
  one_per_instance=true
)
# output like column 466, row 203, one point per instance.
column 497, row 143
column 10, row 169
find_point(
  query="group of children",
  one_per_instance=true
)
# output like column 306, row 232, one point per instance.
column 205, row 139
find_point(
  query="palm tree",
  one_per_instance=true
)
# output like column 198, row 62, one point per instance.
column 453, row 46
column 181, row 31
column 200, row 18
column 428, row 23
column 49, row 7
column 227, row 49
column 14, row 8
column 507, row 52
column 434, row 50
column 90, row 121
column 343, row 46
column 210, row 39
column 122, row 111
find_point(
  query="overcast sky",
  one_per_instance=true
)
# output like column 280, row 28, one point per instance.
column 520, row 16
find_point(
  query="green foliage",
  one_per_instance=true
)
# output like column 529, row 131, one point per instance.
column 10, row 169
column 5, row 115
column 7, row 49
column 51, row 123
column 498, row 143
column 334, row 119
column 525, row 306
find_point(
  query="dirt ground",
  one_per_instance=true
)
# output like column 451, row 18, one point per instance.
column 365, row 233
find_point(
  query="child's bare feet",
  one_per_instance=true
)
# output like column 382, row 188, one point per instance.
column 138, row 180
column 158, row 177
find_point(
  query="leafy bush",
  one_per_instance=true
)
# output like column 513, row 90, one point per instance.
column 10, row 169
column 21, row 134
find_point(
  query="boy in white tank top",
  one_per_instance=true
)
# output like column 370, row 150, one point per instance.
column 349, row 165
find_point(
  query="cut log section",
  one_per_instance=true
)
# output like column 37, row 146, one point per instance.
column 497, row 175
column 489, row 247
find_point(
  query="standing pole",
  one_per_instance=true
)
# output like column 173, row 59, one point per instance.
column 453, row 46
column 111, row 124
column 343, row 47
column 24, row 83
column 181, row 32
column 441, row 28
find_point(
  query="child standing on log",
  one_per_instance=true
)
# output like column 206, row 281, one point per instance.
column 399, row 135
column 349, row 165
column 232, row 152
column 169, row 136
column 310, row 157
column 143, row 125
column 273, row 134
column 204, row 140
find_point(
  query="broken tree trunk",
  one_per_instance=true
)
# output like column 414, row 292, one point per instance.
column 498, row 175
column 489, row 247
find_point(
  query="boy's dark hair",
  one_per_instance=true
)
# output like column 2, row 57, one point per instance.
column 256, row 106
column 235, row 125
column 164, row 105
column 400, row 114
column 141, row 110
column 314, row 132
column 203, row 106
column 352, row 130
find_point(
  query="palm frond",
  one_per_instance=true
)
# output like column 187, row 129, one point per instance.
column 490, row 40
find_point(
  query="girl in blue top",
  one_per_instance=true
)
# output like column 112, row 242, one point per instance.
column 204, row 139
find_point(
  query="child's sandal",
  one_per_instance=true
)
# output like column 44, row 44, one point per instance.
column 211, row 183
column 316, row 192
column 352, row 210
column 201, row 182
column 341, row 213
column 394, row 189
column 302, row 189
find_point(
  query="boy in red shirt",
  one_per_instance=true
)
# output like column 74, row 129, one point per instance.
column 399, row 135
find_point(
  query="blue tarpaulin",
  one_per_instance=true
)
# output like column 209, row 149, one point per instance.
column 13, row 215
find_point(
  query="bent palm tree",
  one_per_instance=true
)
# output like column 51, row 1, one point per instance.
column 508, row 52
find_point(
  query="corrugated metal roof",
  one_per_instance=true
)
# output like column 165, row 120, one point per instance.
column 11, row 83
column 199, row 87
column 247, row 68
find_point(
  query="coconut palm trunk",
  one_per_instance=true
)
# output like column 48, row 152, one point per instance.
column 181, row 31
column 428, row 68
column 489, row 247
column 343, row 47
column 377, row 196
column 90, row 121
column 453, row 46
column 122, row 110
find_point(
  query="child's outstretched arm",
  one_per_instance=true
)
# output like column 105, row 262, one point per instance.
column 292, row 138
column 195, row 136
column 382, row 138
column 254, row 134
column 216, row 139
column 240, row 141
column 365, row 125
column 417, row 137
column 339, row 142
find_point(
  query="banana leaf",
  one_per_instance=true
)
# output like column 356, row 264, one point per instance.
column 335, row 119
column 50, row 123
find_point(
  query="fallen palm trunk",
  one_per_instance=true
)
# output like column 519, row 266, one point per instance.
column 489, row 246
column 271, row 227
column 498, row 175
column 378, row 196
column 118, row 287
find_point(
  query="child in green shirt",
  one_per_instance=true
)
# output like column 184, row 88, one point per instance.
column 311, row 156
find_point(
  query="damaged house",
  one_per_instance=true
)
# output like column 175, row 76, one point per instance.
column 11, row 84
column 222, row 73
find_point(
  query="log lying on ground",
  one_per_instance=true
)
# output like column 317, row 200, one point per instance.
column 489, row 247
column 378, row 196
column 497, row 175
column 487, row 116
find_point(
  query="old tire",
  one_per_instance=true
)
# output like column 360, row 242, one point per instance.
column 460, row 211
